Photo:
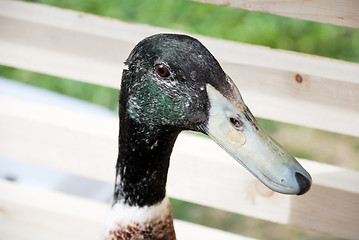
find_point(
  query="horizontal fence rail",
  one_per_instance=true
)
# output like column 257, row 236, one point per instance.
column 343, row 13
column 41, row 215
column 273, row 82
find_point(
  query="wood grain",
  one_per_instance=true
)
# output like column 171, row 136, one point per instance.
column 343, row 13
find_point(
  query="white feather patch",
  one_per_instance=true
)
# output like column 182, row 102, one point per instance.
column 121, row 214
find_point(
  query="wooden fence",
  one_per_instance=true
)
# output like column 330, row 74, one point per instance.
column 83, row 47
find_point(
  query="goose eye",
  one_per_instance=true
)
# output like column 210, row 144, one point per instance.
column 162, row 70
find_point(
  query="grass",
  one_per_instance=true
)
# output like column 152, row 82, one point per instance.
column 237, row 25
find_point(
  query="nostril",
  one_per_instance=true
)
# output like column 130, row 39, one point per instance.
column 236, row 123
column 303, row 182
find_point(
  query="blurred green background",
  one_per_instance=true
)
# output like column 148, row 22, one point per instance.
column 238, row 25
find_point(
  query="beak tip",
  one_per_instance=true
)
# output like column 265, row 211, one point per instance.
column 303, row 182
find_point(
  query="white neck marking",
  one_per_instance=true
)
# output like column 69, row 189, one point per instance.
column 121, row 214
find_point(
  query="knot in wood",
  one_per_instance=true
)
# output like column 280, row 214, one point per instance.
column 298, row 78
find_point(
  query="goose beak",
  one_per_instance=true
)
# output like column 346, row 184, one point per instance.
column 234, row 128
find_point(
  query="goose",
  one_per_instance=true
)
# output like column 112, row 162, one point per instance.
column 173, row 83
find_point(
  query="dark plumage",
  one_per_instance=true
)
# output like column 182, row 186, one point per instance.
column 153, row 110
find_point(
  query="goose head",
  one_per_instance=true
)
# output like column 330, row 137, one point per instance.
column 173, row 83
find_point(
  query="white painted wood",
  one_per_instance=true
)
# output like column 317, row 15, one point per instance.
column 185, row 230
column 343, row 13
column 92, row 49
column 200, row 171
column 61, row 133
column 30, row 213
